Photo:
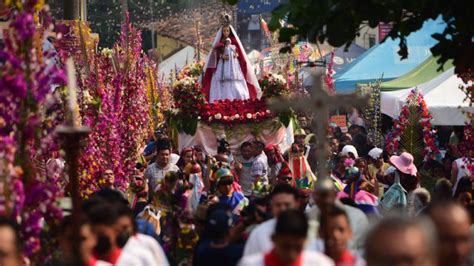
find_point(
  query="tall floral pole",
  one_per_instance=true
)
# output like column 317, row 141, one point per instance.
column 28, row 79
column 412, row 131
column 373, row 115
column 116, row 108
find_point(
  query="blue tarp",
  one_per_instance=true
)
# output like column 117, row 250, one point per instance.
column 249, row 7
column 342, row 58
column 384, row 59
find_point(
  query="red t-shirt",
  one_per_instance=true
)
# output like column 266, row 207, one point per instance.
column 346, row 259
column 113, row 256
column 271, row 259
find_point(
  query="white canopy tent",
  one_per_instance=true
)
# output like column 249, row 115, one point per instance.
column 445, row 101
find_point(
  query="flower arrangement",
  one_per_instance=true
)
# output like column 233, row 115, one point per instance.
column 188, row 97
column 191, row 105
column 193, row 70
column 29, row 77
column 119, row 117
column 412, row 130
column 273, row 85
column 236, row 112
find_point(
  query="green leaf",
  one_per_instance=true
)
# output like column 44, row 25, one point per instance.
column 285, row 117
column 231, row 2
column 285, row 49
column 189, row 125
column 286, row 34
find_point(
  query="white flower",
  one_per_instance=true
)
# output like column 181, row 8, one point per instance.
column 86, row 96
column 268, row 111
column 237, row 116
column 248, row 115
column 107, row 52
column 218, row 116
column 225, row 117
column 279, row 78
column 210, row 118
column 199, row 118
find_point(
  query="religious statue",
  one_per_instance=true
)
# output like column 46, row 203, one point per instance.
column 228, row 72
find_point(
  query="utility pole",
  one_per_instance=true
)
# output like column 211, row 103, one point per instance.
column 72, row 9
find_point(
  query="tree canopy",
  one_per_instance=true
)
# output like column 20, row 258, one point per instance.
column 338, row 22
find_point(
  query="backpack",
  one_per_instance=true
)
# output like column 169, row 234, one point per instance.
column 396, row 195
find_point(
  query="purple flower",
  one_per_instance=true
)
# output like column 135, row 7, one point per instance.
column 25, row 26
column 15, row 83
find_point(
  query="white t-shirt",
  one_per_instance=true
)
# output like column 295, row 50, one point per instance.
column 142, row 250
column 245, row 179
column 260, row 167
column 260, row 239
column 156, row 174
column 357, row 219
column 310, row 258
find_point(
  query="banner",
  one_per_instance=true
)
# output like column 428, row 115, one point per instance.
column 384, row 30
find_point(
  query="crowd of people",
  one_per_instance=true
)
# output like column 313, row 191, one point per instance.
column 260, row 206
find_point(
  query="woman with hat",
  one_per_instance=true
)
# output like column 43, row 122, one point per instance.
column 407, row 170
column 227, row 195
column 377, row 166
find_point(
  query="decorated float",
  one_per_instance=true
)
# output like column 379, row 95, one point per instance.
column 223, row 98
column 195, row 121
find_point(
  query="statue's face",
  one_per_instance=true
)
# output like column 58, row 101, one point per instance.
column 225, row 32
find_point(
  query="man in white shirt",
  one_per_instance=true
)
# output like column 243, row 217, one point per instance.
column 283, row 197
column 137, row 249
column 156, row 171
column 142, row 250
column 325, row 198
column 259, row 170
column 244, row 167
column 289, row 239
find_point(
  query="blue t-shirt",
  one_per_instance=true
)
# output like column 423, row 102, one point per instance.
column 236, row 202
column 210, row 256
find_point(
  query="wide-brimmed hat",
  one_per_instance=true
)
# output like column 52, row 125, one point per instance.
column 404, row 163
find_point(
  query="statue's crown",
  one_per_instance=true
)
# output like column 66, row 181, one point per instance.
column 225, row 19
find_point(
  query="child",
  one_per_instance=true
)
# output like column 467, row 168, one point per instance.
column 231, row 68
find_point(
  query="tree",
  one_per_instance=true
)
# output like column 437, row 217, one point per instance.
column 106, row 17
column 338, row 22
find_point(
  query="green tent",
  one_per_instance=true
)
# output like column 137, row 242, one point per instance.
column 424, row 72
